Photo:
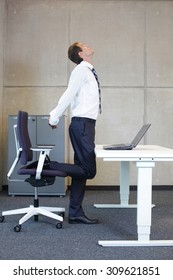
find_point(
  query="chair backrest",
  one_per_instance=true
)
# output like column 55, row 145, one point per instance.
column 23, row 137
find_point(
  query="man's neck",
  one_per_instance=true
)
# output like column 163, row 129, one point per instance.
column 89, row 60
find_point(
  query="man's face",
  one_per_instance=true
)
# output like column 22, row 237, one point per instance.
column 87, row 51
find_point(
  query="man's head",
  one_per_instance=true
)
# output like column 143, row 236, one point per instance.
column 78, row 52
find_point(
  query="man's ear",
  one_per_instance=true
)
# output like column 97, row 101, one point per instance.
column 80, row 54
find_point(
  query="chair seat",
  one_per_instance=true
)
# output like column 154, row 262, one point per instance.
column 31, row 170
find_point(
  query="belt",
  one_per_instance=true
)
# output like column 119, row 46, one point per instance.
column 81, row 119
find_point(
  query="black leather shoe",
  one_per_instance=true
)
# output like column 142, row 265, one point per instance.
column 81, row 220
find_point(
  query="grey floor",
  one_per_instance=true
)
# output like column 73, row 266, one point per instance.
column 43, row 241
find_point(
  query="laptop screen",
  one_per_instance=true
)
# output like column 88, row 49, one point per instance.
column 140, row 134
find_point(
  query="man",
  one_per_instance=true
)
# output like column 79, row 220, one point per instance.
column 82, row 94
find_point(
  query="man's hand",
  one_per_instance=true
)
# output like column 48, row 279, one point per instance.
column 53, row 126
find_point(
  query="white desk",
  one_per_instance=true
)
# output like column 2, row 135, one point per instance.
column 145, row 157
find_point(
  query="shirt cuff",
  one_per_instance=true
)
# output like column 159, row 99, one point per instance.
column 53, row 121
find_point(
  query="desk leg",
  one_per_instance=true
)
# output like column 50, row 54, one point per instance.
column 124, row 183
column 124, row 189
column 144, row 199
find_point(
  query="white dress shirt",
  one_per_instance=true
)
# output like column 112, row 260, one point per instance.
column 82, row 94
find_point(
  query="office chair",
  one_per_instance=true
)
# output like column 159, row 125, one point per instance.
column 39, row 173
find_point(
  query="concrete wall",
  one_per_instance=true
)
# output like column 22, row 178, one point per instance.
column 133, row 42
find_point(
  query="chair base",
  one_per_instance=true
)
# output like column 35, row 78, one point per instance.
column 32, row 211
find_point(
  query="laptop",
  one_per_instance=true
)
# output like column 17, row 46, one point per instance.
column 133, row 144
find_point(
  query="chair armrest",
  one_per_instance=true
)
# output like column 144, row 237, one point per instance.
column 42, row 148
column 43, row 151
column 46, row 146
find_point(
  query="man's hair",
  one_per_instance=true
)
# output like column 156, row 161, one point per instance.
column 73, row 53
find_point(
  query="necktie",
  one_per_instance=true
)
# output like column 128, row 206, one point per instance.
column 96, row 77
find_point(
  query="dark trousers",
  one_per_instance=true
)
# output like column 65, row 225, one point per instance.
column 82, row 136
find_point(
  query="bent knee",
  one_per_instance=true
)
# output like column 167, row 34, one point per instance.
column 90, row 174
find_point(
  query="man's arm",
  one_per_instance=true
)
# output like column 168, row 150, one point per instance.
column 75, row 81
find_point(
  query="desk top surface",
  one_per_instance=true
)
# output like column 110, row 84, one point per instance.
column 141, row 152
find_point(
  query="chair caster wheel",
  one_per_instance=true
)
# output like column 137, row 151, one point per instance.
column 59, row 225
column 17, row 228
column 1, row 219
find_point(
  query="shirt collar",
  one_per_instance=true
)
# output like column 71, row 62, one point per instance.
column 85, row 63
